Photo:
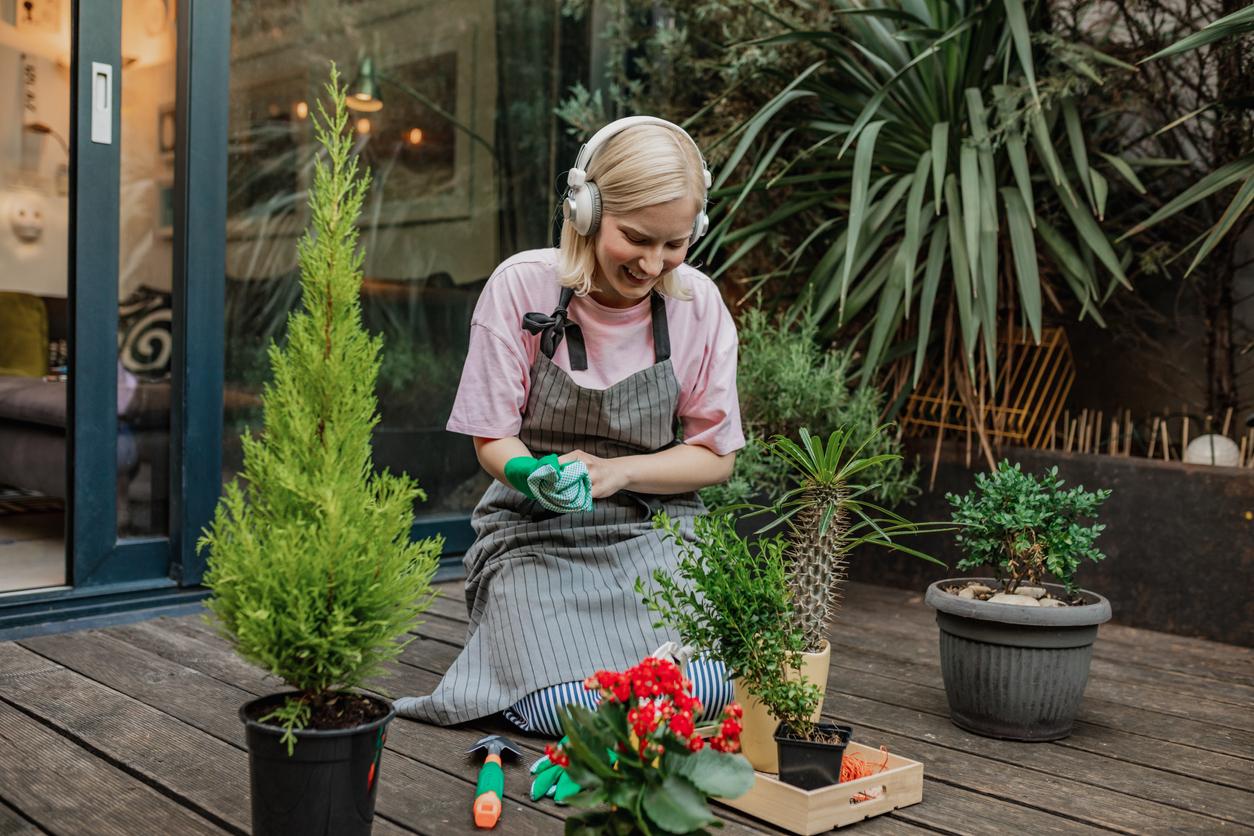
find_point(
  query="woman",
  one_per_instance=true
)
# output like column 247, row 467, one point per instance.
column 638, row 347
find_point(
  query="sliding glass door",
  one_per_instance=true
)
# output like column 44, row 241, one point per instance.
column 111, row 149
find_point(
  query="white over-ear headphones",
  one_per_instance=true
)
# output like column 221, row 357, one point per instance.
column 582, row 205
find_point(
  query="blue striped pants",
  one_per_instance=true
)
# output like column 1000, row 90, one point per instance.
column 538, row 711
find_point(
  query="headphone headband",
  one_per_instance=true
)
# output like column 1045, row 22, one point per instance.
column 582, row 204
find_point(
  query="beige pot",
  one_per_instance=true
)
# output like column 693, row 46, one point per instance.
column 757, row 738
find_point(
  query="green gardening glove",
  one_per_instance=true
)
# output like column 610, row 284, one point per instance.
column 519, row 468
column 553, row 781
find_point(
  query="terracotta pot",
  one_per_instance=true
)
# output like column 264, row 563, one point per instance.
column 757, row 737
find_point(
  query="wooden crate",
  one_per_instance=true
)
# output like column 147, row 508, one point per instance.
column 818, row 811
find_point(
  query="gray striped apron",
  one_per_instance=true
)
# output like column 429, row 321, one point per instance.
column 552, row 596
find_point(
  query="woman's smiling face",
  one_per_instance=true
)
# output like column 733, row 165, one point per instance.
column 634, row 250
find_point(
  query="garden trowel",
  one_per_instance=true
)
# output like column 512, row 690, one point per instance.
column 491, row 787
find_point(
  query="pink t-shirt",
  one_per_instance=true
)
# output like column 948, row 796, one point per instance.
column 497, row 375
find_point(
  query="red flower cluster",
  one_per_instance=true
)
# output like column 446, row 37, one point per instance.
column 660, row 700
column 556, row 755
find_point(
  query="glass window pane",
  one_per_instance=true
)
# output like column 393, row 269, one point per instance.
column 455, row 123
column 34, row 259
column 145, row 265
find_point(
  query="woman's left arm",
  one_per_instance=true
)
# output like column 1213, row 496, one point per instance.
column 678, row 469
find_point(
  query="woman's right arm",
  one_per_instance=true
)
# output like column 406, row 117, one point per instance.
column 493, row 453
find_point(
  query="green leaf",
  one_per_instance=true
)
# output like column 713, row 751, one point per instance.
column 1230, row 26
column 1017, row 20
column 1075, row 137
column 1023, row 248
column 931, row 282
column 1096, row 240
column 940, row 150
column 968, row 166
column 1017, row 152
column 1218, row 179
column 716, row 773
column 1240, row 202
column 857, row 200
column 1121, row 165
column 759, row 120
column 915, row 224
column 676, row 806
column 1100, row 188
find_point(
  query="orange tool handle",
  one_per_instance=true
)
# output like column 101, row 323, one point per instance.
column 488, row 792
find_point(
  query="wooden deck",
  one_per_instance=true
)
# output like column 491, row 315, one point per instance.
column 132, row 730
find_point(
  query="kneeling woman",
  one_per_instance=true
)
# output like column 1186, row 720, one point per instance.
column 600, row 352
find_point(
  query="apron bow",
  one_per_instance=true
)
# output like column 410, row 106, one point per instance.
column 552, row 328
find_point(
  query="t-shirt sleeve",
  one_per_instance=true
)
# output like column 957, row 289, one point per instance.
column 495, row 378
column 710, row 410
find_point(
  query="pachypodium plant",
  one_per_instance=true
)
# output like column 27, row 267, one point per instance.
column 729, row 597
column 640, row 761
column 1025, row 527
column 313, row 572
column 827, row 515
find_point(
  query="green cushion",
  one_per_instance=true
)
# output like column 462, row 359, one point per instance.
column 23, row 335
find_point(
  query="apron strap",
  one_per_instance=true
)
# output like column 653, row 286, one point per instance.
column 661, row 332
column 554, row 327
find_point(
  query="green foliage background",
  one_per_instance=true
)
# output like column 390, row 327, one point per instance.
column 786, row 382
column 314, row 575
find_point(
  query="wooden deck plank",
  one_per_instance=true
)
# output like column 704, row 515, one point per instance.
column 922, row 670
column 1125, row 646
column 69, row 790
column 196, row 644
column 201, row 770
column 13, row 824
column 1125, row 734
column 1133, row 800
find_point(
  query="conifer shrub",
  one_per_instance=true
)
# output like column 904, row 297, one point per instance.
column 313, row 572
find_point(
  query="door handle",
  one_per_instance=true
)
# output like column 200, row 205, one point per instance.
column 101, row 103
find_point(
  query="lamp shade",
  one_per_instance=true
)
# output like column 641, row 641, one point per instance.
column 364, row 95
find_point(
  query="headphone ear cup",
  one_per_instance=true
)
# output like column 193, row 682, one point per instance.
column 700, row 227
column 594, row 208
column 582, row 208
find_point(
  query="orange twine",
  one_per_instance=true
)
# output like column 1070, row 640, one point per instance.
column 854, row 767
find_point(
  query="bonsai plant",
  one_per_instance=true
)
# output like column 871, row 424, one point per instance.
column 1014, row 650
column 730, row 597
column 641, row 763
column 313, row 572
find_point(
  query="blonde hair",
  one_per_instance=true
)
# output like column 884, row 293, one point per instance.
column 641, row 166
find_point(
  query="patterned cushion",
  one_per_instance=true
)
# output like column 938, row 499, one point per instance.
column 145, row 341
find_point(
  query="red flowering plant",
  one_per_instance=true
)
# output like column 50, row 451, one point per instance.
column 642, row 763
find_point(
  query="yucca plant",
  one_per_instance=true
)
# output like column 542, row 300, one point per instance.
column 925, row 163
column 827, row 515
column 1240, row 171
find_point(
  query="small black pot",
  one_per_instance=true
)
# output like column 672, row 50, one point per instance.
column 326, row 787
column 810, row 765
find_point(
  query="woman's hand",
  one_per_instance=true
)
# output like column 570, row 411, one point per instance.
column 609, row 476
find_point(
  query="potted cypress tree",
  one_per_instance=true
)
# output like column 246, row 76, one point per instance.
column 314, row 575
column 1015, row 650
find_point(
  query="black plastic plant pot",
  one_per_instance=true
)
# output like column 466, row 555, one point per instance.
column 810, row 765
column 326, row 787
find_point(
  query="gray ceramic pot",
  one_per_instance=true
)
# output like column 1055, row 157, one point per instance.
column 1015, row 672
